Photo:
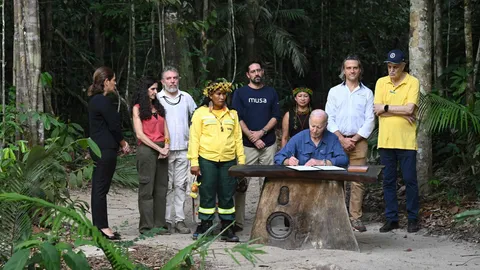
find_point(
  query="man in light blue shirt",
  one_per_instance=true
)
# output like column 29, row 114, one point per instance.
column 313, row 147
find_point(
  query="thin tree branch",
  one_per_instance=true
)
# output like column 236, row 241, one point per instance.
column 57, row 32
column 230, row 3
column 477, row 62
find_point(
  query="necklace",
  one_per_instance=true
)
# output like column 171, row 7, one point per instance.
column 219, row 120
column 302, row 112
column 172, row 103
column 302, row 123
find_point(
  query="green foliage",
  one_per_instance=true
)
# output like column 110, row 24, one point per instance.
column 80, row 228
column 469, row 216
column 46, row 250
column 445, row 114
column 42, row 173
column 126, row 171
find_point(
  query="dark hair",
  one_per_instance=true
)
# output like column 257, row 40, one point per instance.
column 247, row 67
column 141, row 98
column 351, row 57
column 99, row 77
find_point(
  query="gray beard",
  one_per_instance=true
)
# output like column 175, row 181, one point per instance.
column 172, row 89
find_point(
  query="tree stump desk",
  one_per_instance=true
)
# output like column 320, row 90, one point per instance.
column 311, row 204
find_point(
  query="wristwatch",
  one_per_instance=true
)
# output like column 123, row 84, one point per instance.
column 385, row 108
column 264, row 132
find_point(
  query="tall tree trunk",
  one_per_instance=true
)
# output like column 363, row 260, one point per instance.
column 3, row 72
column 438, row 44
column 131, row 61
column 99, row 38
column 204, row 43
column 177, row 55
column 477, row 63
column 250, row 52
column 161, row 32
column 234, row 40
column 47, row 51
column 449, row 26
column 470, row 90
column 27, row 65
column 232, row 34
column 420, row 67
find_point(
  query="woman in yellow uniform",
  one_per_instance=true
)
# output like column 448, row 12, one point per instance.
column 215, row 145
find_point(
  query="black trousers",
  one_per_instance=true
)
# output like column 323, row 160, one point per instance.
column 101, row 181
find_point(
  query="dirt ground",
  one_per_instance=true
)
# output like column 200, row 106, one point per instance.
column 394, row 250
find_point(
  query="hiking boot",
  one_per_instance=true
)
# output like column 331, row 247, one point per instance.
column 412, row 226
column 388, row 226
column 358, row 226
column 229, row 234
column 169, row 227
column 202, row 228
column 181, row 228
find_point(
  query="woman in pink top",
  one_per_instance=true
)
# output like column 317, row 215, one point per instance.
column 152, row 152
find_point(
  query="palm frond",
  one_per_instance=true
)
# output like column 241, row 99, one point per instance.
column 438, row 113
column 294, row 15
column 56, row 216
column 284, row 45
column 15, row 226
column 126, row 171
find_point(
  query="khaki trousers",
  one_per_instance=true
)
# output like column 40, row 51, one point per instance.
column 253, row 156
column 357, row 157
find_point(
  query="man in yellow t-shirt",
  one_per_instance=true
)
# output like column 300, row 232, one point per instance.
column 395, row 104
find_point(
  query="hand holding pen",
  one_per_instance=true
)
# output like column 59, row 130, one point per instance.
column 291, row 161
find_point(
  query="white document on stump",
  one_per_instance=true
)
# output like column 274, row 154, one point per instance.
column 304, row 168
column 330, row 168
column 316, row 168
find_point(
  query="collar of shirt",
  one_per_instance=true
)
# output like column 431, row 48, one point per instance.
column 405, row 80
column 163, row 94
column 360, row 86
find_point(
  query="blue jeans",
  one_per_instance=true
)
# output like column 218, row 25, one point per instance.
column 408, row 162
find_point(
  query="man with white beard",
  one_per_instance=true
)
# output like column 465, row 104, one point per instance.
column 179, row 107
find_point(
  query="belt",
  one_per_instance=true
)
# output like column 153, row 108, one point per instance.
column 349, row 136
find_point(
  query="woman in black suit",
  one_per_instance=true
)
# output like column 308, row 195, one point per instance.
column 105, row 131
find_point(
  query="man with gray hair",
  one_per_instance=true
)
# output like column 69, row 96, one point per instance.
column 179, row 107
column 350, row 109
column 315, row 146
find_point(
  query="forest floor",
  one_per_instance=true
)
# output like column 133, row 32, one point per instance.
column 440, row 244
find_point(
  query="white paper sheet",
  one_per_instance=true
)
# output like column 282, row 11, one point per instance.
column 304, row 168
column 330, row 168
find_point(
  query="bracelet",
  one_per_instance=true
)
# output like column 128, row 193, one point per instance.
column 167, row 140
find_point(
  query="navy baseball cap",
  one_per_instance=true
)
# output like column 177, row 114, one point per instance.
column 395, row 56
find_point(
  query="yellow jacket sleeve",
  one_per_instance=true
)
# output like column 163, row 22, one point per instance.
column 194, row 141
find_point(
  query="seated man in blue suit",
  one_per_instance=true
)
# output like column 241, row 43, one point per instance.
column 315, row 146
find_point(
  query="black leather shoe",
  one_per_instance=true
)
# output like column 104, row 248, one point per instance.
column 388, row 226
column 228, row 235
column 412, row 226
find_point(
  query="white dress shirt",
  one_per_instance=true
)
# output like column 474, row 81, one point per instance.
column 350, row 112
column 179, row 110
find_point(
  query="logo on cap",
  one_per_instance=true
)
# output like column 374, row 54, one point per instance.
column 392, row 55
